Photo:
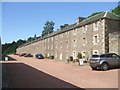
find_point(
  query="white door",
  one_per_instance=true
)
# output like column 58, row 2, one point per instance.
column 74, row 54
column 60, row 56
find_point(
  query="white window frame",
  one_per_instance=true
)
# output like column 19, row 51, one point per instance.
column 95, row 51
column 95, row 25
column 52, row 38
column 84, row 54
column 84, row 42
column 75, row 32
column 45, row 47
column 94, row 39
column 52, row 47
column 48, row 40
column 67, row 42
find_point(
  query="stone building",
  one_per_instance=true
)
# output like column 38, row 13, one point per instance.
column 95, row 35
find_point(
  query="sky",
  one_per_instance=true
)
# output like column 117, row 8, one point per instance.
column 21, row 20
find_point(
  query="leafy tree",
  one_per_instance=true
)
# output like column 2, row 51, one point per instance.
column 30, row 39
column 116, row 10
column 10, row 48
column 48, row 28
column 79, row 56
column 35, row 37
column 94, row 14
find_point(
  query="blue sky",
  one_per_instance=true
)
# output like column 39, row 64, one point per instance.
column 21, row 20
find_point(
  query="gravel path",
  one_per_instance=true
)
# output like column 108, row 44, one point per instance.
column 35, row 73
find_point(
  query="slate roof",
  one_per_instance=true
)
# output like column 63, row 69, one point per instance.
column 101, row 15
column 94, row 18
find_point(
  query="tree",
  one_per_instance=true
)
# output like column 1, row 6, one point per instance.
column 116, row 10
column 10, row 48
column 35, row 37
column 30, row 39
column 48, row 28
column 79, row 56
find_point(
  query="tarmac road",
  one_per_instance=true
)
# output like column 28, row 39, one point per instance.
column 35, row 73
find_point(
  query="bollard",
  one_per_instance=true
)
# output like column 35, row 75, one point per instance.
column 81, row 62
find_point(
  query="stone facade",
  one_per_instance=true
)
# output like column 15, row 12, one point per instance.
column 93, row 35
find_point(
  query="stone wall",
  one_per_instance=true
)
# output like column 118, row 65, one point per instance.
column 113, row 30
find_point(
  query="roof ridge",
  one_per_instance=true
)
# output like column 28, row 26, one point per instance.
column 105, row 14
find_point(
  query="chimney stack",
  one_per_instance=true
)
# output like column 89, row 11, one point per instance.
column 79, row 19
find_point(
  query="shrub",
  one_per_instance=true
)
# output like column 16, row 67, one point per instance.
column 70, row 59
column 46, row 56
column 79, row 56
column 51, row 57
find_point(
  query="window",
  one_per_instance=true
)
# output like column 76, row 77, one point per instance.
column 48, row 39
column 84, row 41
column 95, row 39
column 95, row 51
column 95, row 26
column 52, row 38
column 52, row 47
column 67, row 42
column 45, row 40
column 56, row 45
column 61, row 44
column 83, row 54
column 74, row 32
column 115, row 56
column 56, row 37
column 84, row 27
column 74, row 55
column 74, row 40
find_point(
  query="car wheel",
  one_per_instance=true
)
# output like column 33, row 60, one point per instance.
column 104, row 66
column 94, row 68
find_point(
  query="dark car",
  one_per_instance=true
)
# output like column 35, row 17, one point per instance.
column 39, row 56
column 23, row 54
column 28, row 55
column 105, row 61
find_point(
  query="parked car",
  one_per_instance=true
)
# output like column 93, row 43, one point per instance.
column 39, row 56
column 23, row 54
column 105, row 61
column 28, row 55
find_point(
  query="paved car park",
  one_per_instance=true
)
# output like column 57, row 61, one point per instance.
column 36, row 73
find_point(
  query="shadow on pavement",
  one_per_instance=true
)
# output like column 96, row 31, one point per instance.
column 23, row 76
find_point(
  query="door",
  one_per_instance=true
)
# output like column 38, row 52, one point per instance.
column 60, row 56
column 115, row 60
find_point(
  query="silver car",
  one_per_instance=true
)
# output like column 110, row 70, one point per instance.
column 105, row 61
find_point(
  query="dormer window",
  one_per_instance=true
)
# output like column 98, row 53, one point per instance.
column 95, row 26
column 84, row 28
